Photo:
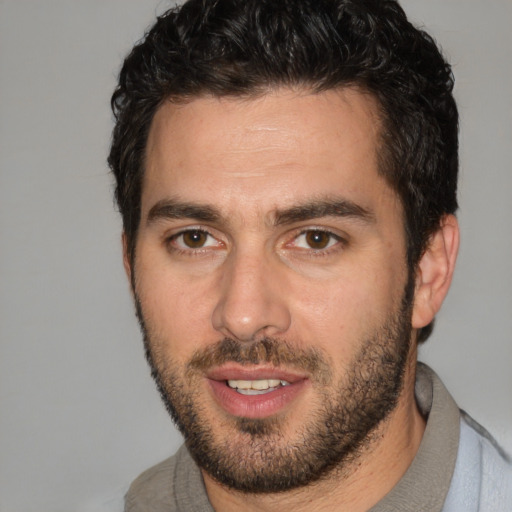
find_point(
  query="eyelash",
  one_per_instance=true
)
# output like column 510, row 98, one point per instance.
column 334, row 243
column 189, row 251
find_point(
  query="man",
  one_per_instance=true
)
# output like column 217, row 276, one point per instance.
column 286, row 173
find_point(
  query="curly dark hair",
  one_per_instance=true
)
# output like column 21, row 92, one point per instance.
column 246, row 47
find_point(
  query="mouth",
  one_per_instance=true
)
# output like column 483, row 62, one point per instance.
column 256, row 387
column 255, row 392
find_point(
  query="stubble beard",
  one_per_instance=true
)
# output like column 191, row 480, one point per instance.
column 252, row 455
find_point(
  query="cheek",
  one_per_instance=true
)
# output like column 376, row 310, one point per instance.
column 177, row 311
column 340, row 313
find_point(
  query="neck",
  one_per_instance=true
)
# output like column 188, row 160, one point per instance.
column 358, row 485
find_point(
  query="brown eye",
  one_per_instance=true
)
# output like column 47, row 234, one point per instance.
column 318, row 239
column 194, row 239
column 193, row 242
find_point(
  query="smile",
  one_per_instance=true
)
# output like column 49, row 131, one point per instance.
column 256, row 387
column 255, row 392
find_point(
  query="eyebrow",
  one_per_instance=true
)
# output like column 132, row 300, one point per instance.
column 171, row 209
column 324, row 208
column 330, row 207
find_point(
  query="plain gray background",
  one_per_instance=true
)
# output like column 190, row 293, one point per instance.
column 79, row 416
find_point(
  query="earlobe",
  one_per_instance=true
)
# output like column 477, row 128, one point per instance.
column 435, row 271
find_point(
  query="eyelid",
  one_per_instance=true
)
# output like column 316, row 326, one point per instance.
column 337, row 237
column 179, row 232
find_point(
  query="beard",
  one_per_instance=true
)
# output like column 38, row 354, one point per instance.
column 255, row 455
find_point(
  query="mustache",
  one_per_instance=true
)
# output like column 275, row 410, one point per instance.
column 278, row 353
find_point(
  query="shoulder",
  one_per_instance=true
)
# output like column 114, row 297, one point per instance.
column 174, row 485
column 152, row 490
column 482, row 480
column 495, row 464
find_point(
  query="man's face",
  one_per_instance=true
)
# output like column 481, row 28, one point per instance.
column 270, row 278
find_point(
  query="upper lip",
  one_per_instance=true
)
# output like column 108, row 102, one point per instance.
column 237, row 372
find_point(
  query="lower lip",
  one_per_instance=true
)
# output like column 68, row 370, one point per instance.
column 254, row 406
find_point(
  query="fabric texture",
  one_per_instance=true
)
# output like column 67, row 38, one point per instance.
column 482, row 480
column 458, row 468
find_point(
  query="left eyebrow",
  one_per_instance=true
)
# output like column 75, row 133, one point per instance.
column 324, row 208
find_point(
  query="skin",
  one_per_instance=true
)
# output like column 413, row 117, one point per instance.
column 252, row 276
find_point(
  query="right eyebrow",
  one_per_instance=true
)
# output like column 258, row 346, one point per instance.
column 171, row 209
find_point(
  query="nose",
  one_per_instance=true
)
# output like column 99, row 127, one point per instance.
column 252, row 301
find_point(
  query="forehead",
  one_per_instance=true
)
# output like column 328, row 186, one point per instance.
column 263, row 153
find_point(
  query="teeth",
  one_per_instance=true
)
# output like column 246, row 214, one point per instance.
column 253, row 391
column 264, row 384
column 256, row 387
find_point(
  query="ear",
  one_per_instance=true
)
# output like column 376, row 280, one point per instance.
column 126, row 259
column 435, row 271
